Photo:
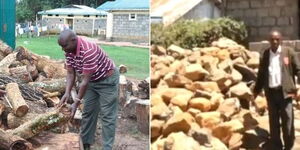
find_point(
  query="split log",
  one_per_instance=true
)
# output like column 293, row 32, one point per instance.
column 41, row 77
column 2, row 108
column 5, row 62
column 24, row 73
column 5, row 49
column 51, row 68
column 55, row 85
column 54, row 94
column 28, row 92
column 17, row 102
column 52, row 101
column 12, row 142
column 14, row 121
column 40, row 123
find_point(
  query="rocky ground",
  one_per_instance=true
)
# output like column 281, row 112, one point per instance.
column 202, row 98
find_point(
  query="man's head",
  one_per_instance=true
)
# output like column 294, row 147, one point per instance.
column 68, row 41
column 275, row 40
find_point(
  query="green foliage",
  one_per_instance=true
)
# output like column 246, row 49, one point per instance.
column 189, row 34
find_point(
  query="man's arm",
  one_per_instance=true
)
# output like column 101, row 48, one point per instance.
column 70, row 82
column 296, row 64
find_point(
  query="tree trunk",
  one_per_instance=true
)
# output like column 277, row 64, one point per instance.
column 21, row 73
column 14, row 121
column 55, row 85
column 17, row 102
column 40, row 123
column 12, row 142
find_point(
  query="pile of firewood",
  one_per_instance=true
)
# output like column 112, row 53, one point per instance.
column 202, row 98
column 32, row 84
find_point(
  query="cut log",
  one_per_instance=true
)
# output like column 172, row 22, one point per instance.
column 14, row 121
column 5, row 49
column 40, row 123
column 5, row 62
column 28, row 92
column 54, row 94
column 41, row 77
column 142, row 111
column 11, row 142
column 17, row 102
column 21, row 73
column 55, row 85
column 51, row 68
column 2, row 108
column 52, row 101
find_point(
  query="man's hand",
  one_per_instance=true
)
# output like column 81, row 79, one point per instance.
column 298, row 95
column 64, row 99
column 73, row 109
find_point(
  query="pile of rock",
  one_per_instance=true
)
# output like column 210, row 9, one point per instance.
column 202, row 98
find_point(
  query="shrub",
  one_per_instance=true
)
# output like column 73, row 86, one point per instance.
column 189, row 33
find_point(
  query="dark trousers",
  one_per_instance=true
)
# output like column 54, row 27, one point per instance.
column 280, row 109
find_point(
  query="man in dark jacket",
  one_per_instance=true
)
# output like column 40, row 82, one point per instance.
column 276, row 76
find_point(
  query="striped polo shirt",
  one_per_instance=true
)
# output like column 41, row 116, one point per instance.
column 89, row 58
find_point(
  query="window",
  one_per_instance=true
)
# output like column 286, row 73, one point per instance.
column 56, row 15
column 132, row 16
column 70, row 15
column 86, row 15
column 49, row 14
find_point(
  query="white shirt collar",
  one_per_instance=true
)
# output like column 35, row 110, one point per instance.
column 278, row 50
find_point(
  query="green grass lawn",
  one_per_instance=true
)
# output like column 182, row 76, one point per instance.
column 136, row 59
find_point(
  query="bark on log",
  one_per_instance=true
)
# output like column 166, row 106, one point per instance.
column 12, row 142
column 21, row 73
column 51, row 68
column 19, row 106
column 53, row 94
column 55, row 85
column 2, row 108
column 5, row 49
column 14, row 121
column 40, row 123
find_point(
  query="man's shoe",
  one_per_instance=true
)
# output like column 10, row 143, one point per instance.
column 86, row 146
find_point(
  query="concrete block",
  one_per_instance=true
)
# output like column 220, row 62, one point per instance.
column 283, row 21
column 255, row 4
column 263, row 31
column 280, row 2
column 244, row 4
column 258, row 46
column 274, row 12
column 253, row 31
column 250, row 13
column 289, row 43
column 268, row 21
column 262, row 12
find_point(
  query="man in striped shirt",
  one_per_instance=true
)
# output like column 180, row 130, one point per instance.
column 98, row 89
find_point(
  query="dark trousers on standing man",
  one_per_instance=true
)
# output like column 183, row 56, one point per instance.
column 280, row 110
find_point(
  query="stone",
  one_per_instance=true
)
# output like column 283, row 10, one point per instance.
column 179, row 122
column 247, row 73
column 161, row 68
column 208, row 86
column 156, row 99
column 181, row 101
column 156, row 128
column 194, row 57
column 247, row 119
column 175, row 51
column 176, row 80
column 235, row 141
column 208, row 62
column 212, row 51
column 158, row 50
column 217, row 144
column 201, row 135
column 215, row 100
column 160, row 111
column 254, row 138
column 236, row 76
column 205, row 94
column 241, row 91
column 209, row 119
column 176, row 66
column 253, row 63
column 238, row 60
column 260, row 104
column 281, row 21
column 225, row 65
column 229, row 107
column 200, row 103
column 224, row 43
column 175, row 109
column 158, row 144
column 222, row 79
column 193, row 111
column 169, row 93
column 155, row 78
column 225, row 130
column 180, row 141
column 195, row 72
column 223, row 54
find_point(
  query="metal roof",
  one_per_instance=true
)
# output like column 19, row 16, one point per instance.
column 73, row 10
column 125, row 5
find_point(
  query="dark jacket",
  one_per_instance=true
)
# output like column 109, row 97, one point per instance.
column 289, row 67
